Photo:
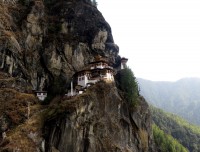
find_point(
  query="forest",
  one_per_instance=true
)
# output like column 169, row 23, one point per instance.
column 185, row 133
column 165, row 142
column 181, row 97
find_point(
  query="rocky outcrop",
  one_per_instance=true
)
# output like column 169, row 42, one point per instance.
column 99, row 120
column 49, row 39
column 42, row 45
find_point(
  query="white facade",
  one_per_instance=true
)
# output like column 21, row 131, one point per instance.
column 83, row 80
column 100, row 65
column 109, row 76
column 122, row 66
column 97, row 71
column 41, row 95
column 123, row 63
column 80, row 92
column 97, row 67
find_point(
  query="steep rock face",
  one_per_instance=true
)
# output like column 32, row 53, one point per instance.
column 43, row 40
column 99, row 120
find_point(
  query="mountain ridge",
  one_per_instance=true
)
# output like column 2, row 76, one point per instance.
column 181, row 97
column 183, row 131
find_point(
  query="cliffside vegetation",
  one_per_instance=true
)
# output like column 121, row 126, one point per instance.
column 126, row 82
column 165, row 142
column 187, row 134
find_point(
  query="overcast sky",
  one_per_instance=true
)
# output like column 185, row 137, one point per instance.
column 161, row 38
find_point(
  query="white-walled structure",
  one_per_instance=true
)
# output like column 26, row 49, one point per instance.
column 41, row 95
column 98, row 70
column 123, row 63
column 83, row 78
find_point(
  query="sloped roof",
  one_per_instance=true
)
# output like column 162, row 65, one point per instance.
column 125, row 59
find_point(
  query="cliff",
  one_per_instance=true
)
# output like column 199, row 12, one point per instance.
column 98, row 120
column 43, row 44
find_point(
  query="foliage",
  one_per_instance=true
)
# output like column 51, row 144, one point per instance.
column 127, row 83
column 165, row 142
column 181, row 97
column 187, row 134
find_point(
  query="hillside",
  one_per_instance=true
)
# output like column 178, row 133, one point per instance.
column 187, row 134
column 100, row 119
column 63, row 52
column 166, row 142
column 181, row 97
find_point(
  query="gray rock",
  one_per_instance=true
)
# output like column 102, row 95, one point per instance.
column 100, row 121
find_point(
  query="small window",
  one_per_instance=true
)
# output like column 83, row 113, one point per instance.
column 82, row 78
column 79, row 79
column 39, row 94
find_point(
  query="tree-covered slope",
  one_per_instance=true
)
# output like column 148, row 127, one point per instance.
column 165, row 142
column 187, row 134
column 181, row 97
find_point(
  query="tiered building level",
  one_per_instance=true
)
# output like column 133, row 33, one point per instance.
column 96, row 71
column 99, row 70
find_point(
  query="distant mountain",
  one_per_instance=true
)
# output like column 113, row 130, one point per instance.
column 181, row 97
column 185, row 133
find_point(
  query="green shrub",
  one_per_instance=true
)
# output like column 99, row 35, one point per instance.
column 126, row 82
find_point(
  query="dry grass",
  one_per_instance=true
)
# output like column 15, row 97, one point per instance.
column 16, row 112
column 5, row 18
column 144, row 139
column 14, row 105
column 4, row 75
column 27, row 136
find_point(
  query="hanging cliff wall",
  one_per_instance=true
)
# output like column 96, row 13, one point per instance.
column 43, row 41
column 42, row 44
column 99, row 120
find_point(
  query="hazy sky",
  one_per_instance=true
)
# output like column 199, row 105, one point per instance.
column 161, row 38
